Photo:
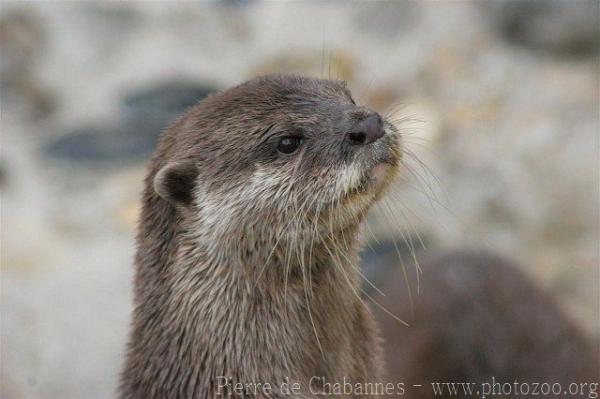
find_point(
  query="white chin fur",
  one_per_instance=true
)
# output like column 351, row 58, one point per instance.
column 348, row 178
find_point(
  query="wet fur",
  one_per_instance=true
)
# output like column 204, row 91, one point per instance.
column 246, row 264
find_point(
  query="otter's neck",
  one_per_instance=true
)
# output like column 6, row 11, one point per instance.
column 203, row 316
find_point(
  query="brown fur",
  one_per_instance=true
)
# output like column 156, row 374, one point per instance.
column 246, row 260
column 478, row 317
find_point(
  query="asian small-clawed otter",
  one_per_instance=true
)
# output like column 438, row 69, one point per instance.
column 246, row 266
column 480, row 321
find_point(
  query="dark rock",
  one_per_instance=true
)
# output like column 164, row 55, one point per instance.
column 3, row 176
column 146, row 114
column 164, row 101
column 237, row 3
column 130, row 141
column 564, row 28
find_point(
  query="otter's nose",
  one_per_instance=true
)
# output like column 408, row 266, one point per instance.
column 367, row 131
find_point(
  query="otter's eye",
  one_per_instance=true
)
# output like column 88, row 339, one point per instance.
column 288, row 145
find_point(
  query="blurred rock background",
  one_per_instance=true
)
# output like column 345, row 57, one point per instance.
column 499, row 101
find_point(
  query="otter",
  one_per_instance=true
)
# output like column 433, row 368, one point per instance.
column 246, row 268
column 478, row 319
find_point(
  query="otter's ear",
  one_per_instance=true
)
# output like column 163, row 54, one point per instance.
column 175, row 182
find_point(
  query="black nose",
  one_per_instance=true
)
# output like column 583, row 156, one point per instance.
column 367, row 131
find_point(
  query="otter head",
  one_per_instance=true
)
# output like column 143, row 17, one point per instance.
column 273, row 160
